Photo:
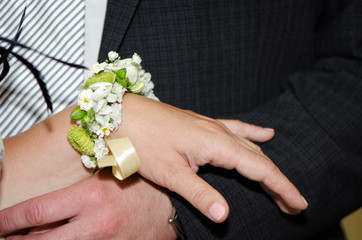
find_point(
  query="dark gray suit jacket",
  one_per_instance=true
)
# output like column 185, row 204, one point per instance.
column 292, row 65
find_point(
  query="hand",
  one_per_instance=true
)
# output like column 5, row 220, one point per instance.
column 40, row 160
column 173, row 143
column 99, row 207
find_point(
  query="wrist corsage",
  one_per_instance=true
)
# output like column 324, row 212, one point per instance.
column 99, row 112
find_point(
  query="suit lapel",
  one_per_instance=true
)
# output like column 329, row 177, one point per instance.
column 118, row 17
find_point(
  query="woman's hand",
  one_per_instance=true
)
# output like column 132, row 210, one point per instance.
column 173, row 143
column 39, row 161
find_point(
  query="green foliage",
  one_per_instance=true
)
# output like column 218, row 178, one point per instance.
column 77, row 114
column 100, row 77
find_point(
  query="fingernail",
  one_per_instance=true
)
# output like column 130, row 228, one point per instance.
column 217, row 211
column 305, row 201
column 269, row 129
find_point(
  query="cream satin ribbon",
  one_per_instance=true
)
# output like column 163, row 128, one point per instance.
column 124, row 159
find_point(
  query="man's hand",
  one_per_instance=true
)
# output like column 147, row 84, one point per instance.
column 99, row 207
column 172, row 143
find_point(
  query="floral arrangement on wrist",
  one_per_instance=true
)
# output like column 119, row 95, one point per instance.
column 99, row 109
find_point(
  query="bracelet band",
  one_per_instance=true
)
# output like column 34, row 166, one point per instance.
column 99, row 112
column 176, row 224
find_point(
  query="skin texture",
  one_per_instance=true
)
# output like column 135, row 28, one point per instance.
column 39, row 160
column 192, row 140
column 171, row 144
column 99, row 207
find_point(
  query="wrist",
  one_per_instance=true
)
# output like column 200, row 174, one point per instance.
column 39, row 160
column 130, row 105
column 100, row 113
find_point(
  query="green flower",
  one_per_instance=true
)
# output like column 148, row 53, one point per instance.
column 81, row 141
column 100, row 77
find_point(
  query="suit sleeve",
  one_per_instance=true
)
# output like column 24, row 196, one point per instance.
column 318, row 143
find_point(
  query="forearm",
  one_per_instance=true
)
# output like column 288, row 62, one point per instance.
column 39, row 160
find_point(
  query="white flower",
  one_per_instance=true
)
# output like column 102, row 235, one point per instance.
column 103, row 120
column 88, row 163
column 105, row 98
column 147, row 88
column 141, row 72
column 101, row 90
column 100, row 148
column 96, row 68
column 146, row 77
column 104, row 130
column 98, row 105
column 111, row 98
column 111, row 67
column 85, row 99
column 105, row 110
column 132, row 74
column 117, row 62
column 136, row 58
column 124, row 63
column 116, row 114
column 112, row 56
column 119, row 91
column 151, row 95
column 94, row 127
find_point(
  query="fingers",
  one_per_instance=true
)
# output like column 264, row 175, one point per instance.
column 199, row 193
column 38, row 211
column 281, row 202
column 254, row 165
column 250, row 145
column 249, row 131
column 67, row 231
column 278, row 186
column 283, row 192
column 257, row 166
column 47, row 227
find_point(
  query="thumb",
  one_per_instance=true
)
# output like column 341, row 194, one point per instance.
column 249, row 131
column 199, row 193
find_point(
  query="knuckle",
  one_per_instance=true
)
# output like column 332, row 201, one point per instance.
column 219, row 133
column 111, row 227
column 258, row 148
column 271, row 168
column 199, row 194
column 106, row 228
column 92, row 193
column 171, row 173
column 215, row 129
column 194, row 167
column 95, row 195
column 35, row 213
column 216, row 123
column 6, row 223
